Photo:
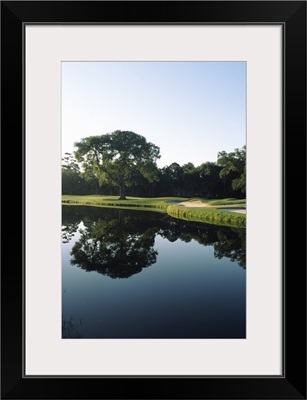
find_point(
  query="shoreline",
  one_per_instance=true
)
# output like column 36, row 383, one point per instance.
column 188, row 210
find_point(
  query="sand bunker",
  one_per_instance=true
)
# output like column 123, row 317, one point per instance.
column 239, row 211
column 200, row 204
column 195, row 203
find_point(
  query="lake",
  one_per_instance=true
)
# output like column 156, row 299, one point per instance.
column 142, row 274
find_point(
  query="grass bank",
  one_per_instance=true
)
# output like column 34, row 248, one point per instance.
column 209, row 213
column 155, row 204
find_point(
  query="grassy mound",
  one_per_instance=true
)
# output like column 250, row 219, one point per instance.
column 208, row 215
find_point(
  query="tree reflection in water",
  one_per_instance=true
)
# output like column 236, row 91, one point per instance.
column 114, row 247
column 120, row 243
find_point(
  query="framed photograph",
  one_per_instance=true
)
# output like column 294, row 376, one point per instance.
column 163, row 149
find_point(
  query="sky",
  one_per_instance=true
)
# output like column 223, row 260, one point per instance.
column 190, row 110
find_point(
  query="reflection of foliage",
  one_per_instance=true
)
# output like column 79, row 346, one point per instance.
column 70, row 223
column 227, row 242
column 232, row 244
column 120, row 243
column 70, row 329
column 115, row 247
column 68, row 232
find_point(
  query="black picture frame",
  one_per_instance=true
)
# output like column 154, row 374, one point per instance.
column 292, row 16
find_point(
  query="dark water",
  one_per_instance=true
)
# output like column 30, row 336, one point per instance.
column 134, row 274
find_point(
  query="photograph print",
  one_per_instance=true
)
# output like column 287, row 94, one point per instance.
column 153, row 200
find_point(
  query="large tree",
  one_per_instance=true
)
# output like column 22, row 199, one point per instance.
column 118, row 158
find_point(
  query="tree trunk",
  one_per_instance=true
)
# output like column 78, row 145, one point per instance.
column 122, row 192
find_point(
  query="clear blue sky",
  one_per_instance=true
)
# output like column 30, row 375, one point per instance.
column 191, row 110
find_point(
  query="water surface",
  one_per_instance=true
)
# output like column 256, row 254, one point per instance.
column 134, row 274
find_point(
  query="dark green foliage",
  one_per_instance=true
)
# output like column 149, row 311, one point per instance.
column 233, row 168
column 72, row 182
column 125, row 162
column 210, row 181
column 172, row 179
column 120, row 158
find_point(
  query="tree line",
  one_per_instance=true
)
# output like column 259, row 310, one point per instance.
column 124, row 163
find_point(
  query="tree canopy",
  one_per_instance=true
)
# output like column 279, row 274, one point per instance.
column 119, row 158
column 234, row 166
column 124, row 162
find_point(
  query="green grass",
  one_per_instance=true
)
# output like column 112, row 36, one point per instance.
column 211, row 215
column 156, row 203
column 226, row 202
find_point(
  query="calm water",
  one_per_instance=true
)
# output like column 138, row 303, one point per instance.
column 134, row 274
